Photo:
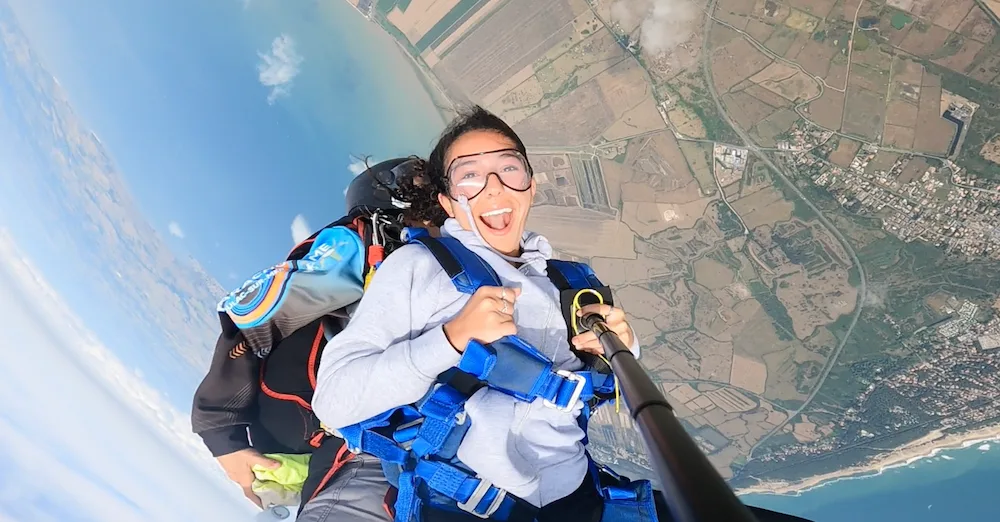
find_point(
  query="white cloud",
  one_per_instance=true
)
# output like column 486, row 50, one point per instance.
column 300, row 229
column 112, row 443
column 175, row 230
column 357, row 166
column 279, row 67
column 665, row 23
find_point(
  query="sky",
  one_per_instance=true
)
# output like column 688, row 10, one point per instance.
column 82, row 437
column 152, row 156
column 230, row 118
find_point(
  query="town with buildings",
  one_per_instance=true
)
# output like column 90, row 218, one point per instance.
column 915, row 197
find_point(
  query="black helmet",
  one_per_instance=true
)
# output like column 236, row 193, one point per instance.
column 377, row 188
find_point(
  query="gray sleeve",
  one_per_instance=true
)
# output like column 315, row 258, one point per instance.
column 388, row 355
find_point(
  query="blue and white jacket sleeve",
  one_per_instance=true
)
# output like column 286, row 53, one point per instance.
column 388, row 356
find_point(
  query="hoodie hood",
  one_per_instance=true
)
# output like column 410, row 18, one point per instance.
column 535, row 249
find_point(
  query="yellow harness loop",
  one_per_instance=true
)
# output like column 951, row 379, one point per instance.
column 576, row 331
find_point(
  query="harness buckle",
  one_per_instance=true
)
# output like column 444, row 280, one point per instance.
column 581, row 383
column 477, row 496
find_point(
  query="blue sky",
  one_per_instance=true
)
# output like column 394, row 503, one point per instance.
column 151, row 157
column 82, row 437
column 176, row 91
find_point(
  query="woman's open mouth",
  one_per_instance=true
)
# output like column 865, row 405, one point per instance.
column 498, row 221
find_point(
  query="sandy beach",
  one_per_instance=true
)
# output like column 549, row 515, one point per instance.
column 924, row 447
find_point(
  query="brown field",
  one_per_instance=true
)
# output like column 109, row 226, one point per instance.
column 619, row 272
column 933, row 133
column 987, row 68
column 614, row 175
column 656, row 310
column 686, row 122
column 906, row 71
column 489, row 54
column 884, row 160
column 734, row 62
column 873, row 58
column 646, row 219
column 991, row 150
column 797, row 46
column 521, row 101
column 924, row 44
column 699, row 158
column 847, row 9
column 787, row 81
column 901, row 113
column 818, row 8
column 765, row 95
column 773, row 126
column 777, row 14
column 420, row 17
column 713, row 320
column 815, row 57
column 912, row 170
column 961, row 60
column 641, row 118
column 574, row 119
column 712, row 274
column 763, row 207
column 899, row 137
column 950, row 13
column 828, row 110
column 978, row 26
column 629, row 97
column 593, row 55
column 781, row 40
column 874, row 80
column 895, row 36
column 660, row 172
column 721, row 35
column 582, row 232
column 730, row 400
column 817, row 299
column 865, row 112
column 846, row 150
column 716, row 358
column 802, row 21
column 760, row 31
column 749, row 374
column 737, row 20
column 745, row 109
column 836, row 75
column 735, row 6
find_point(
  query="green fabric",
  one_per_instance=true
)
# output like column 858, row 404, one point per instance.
column 281, row 486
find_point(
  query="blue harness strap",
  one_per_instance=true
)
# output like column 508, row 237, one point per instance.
column 418, row 443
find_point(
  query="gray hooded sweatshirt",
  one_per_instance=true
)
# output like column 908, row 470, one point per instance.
column 394, row 347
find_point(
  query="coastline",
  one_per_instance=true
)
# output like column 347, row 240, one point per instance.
column 925, row 447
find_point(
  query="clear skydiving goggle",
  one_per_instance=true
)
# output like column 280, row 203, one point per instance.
column 468, row 175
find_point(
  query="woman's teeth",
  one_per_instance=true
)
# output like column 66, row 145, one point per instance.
column 497, row 219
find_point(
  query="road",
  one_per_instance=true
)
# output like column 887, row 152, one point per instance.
column 706, row 61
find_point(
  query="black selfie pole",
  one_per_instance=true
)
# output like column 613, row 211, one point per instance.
column 692, row 487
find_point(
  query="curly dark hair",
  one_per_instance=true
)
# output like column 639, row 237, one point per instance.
column 423, row 195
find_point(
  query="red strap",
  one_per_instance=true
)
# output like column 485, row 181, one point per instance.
column 389, row 502
column 317, row 439
column 343, row 457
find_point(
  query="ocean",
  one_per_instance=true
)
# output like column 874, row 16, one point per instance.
column 956, row 484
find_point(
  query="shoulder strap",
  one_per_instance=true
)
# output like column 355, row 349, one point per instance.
column 567, row 275
column 468, row 271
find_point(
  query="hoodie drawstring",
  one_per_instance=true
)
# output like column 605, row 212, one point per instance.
column 464, row 203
